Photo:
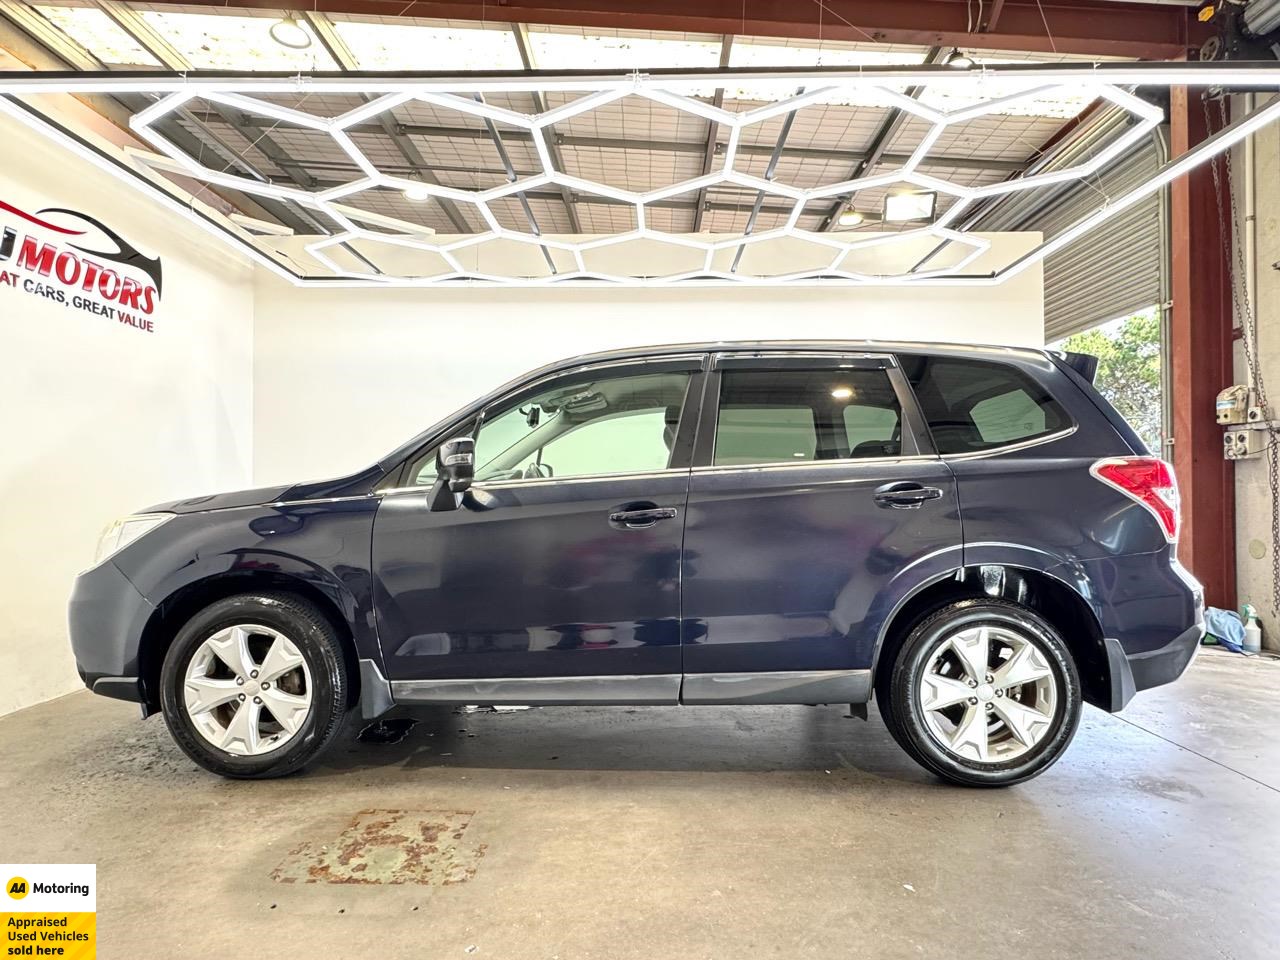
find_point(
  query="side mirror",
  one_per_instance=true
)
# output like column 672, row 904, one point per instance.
column 455, row 469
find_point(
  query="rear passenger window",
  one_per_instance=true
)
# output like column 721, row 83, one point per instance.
column 975, row 405
column 794, row 416
column 1008, row 418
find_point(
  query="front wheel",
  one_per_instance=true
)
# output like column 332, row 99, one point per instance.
column 983, row 693
column 255, row 685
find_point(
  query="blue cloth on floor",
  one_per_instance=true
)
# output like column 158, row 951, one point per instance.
column 1226, row 627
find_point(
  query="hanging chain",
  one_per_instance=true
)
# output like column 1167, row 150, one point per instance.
column 1242, row 307
column 1240, row 303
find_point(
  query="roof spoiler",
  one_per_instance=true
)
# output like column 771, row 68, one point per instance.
column 1085, row 364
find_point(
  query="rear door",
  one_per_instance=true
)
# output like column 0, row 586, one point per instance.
column 814, row 498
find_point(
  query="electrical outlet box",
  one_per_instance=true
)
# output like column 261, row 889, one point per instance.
column 1243, row 444
column 1232, row 404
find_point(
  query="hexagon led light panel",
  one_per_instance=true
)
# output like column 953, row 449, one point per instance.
column 366, row 246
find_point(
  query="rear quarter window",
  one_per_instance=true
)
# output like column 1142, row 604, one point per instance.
column 977, row 405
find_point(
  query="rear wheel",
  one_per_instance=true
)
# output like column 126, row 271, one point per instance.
column 255, row 685
column 983, row 693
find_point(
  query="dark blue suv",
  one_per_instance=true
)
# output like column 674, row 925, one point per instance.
column 972, row 536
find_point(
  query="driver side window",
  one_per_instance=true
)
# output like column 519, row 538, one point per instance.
column 580, row 427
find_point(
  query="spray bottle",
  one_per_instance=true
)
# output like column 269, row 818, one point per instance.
column 1252, row 632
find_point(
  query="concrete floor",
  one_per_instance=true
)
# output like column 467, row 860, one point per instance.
column 654, row 833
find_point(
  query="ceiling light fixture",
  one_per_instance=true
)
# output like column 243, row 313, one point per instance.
column 418, row 193
column 850, row 217
column 239, row 92
column 842, row 393
column 906, row 207
column 288, row 32
column 961, row 60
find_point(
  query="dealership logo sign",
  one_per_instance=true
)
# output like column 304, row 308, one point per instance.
column 69, row 258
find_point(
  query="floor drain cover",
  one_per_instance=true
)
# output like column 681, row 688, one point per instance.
column 389, row 846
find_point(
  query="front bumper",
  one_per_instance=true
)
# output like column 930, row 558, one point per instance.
column 1141, row 671
column 106, row 617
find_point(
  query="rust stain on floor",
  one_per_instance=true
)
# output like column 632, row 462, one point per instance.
column 389, row 846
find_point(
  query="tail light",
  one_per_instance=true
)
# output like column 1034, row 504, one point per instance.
column 1148, row 481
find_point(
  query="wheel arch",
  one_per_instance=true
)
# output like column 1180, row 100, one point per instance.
column 184, row 602
column 1054, row 599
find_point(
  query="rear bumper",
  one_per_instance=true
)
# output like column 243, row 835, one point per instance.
column 1141, row 671
column 106, row 616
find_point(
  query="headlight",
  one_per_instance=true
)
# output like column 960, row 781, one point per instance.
column 123, row 532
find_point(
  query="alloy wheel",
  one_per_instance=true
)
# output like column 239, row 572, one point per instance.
column 247, row 689
column 988, row 693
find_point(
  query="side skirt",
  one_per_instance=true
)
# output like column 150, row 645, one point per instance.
column 784, row 686
column 781, row 687
column 648, row 690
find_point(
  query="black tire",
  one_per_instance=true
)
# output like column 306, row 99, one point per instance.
column 317, row 641
column 899, row 700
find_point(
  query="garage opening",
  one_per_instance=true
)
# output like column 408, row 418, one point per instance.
column 1130, row 352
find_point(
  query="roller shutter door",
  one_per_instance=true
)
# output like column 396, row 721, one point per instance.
column 1116, row 268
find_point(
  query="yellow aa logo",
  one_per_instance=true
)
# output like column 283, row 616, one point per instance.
column 17, row 888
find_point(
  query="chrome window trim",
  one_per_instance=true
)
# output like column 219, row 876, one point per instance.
column 581, row 478
column 1019, row 445
column 548, row 481
column 674, row 471
column 796, row 464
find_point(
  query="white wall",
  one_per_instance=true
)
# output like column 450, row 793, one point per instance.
column 343, row 376
column 101, row 419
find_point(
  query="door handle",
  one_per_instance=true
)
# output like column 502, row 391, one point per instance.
column 640, row 517
column 905, row 495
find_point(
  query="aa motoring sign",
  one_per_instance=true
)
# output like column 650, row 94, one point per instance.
column 66, row 257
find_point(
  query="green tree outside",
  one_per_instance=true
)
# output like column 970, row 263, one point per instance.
column 1128, row 352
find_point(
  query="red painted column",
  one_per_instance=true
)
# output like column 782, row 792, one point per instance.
column 1201, row 356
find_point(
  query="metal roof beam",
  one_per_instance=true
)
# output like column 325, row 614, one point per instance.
column 158, row 46
column 521, row 33
column 512, row 176
column 50, row 45
column 49, row 37
column 192, row 144
column 879, row 144
column 771, row 171
column 709, row 148
column 142, row 33
column 337, row 48
column 1091, row 27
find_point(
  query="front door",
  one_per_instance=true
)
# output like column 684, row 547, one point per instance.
column 558, row 578
column 812, row 490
